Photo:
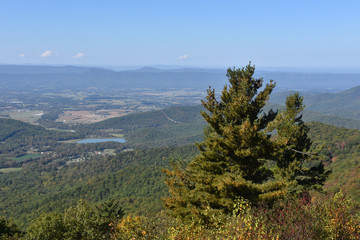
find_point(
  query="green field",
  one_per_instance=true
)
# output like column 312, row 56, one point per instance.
column 7, row 170
column 26, row 116
column 26, row 157
column 60, row 130
column 119, row 135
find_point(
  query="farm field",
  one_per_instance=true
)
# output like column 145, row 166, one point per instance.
column 7, row 170
column 77, row 107
column 26, row 157
column 25, row 115
column 90, row 116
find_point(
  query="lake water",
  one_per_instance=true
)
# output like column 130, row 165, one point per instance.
column 98, row 140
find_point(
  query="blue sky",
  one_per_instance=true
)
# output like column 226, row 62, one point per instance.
column 297, row 34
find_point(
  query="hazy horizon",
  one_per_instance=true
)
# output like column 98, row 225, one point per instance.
column 345, row 70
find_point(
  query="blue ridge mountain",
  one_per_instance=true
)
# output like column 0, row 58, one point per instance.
column 25, row 77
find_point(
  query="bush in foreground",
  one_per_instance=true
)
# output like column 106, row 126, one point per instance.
column 336, row 218
column 300, row 218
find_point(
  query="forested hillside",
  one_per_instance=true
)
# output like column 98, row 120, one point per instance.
column 12, row 128
column 132, row 177
column 167, row 127
column 341, row 149
column 135, row 178
column 344, row 104
column 20, row 139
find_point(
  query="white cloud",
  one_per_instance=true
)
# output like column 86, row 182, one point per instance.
column 21, row 55
column 48, row 53
column 183, row 57
column 79, row 55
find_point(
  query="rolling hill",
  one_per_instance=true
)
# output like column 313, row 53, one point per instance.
column 184, row 125
column 344, row 104
column 11, row 128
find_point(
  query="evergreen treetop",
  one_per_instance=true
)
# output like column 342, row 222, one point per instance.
column 238, row 149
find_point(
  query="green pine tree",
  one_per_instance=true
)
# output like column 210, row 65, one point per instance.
column 297, row 168
column 240, row 147
column 231, row 160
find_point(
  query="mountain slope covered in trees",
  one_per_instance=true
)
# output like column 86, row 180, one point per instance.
column 341, row 150
column 135, row 177
column 132, row 177
column 344, row 104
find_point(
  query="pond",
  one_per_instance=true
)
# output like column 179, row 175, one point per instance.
column 98, row 140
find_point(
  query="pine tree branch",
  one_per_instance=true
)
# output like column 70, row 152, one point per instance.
column 306, row 153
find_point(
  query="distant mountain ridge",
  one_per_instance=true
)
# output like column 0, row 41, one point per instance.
column 17, row 77
column 29, row 69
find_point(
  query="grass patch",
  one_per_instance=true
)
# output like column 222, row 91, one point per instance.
column 60, row 130
column 71, row 141
column 25, row 157
column 26, row 116
column 119, row 135
column 7, row 170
